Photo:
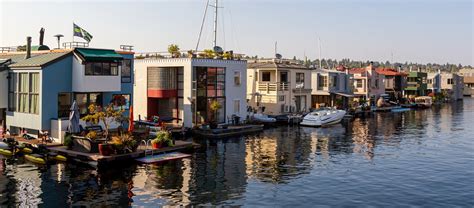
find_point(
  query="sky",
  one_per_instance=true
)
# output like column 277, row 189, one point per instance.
column 418, row 31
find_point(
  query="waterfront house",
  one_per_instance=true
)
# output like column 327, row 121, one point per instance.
column 433, row 82
column 416, row 84
column 278, row 86
column 43, row 84
column 184, row 88
column 394, row 82
column 330, row 88
column 468, row 78
column 367, row 84
column 3, row 91
column 452, row 86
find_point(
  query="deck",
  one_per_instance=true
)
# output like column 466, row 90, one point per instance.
column 229, row 132
column 179, row 145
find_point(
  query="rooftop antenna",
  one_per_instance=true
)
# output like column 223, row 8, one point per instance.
column 320, row 61
column 216, row 7
column 59, row 36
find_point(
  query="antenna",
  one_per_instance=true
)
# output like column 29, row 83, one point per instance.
column 216, row 7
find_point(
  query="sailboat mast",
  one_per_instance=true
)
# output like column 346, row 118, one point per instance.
column 320, row 61
column 215, row 22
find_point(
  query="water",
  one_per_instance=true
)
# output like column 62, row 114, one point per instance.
column 417, row 158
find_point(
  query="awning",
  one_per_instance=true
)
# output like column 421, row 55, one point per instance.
column 344, row 94
column 90, row 54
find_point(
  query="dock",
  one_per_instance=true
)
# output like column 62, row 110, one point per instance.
column 228, row 132
column 100, row 159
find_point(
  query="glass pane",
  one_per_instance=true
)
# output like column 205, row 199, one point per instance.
column 97, row 68
column 23, row 107
column 34, row 104
column 220, row 71
column 64, row 104
column 220, row 93
column 34, row 82
column 23, row 87
column 95, row 98
column 106, row 69
column 89, row 69
column 81, row 100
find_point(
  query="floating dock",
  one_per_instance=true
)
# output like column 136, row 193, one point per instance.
column 100, row 159
column 228, row 132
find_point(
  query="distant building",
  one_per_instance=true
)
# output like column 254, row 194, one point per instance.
column 3, row 91
column 468, row 77
column 433, row 82
column 394, row 82
column 42, row 87
column 416, row 84
column 184, row 88
column 279, row 86
column 452, row 86
column 368, row 83
column 330, row 87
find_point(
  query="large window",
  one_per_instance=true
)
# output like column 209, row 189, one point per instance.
column 83, row 101
column 208, row 86
column 121, row 101
column 299, row 78
column 23, row 92
column 236, row 107
column 64, row 104
column 126, row 71
column 322, row 81
column 265, row 76
column 101, row 69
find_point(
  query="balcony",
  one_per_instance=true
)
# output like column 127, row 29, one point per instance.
column 272, row 86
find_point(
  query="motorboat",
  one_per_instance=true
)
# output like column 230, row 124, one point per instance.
column 262, row 118
column 424, row 101
column 323, row 117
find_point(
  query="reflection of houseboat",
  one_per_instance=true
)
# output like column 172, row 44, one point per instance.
column 423, row 101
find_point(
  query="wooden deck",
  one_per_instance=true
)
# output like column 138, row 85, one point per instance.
column 179, row 145
column 35, row 142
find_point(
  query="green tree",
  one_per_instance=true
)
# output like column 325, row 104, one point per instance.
column 173, row 49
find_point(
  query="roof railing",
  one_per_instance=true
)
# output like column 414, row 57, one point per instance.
column 75, row 45
column 7, row 49
column 228, row 55
column 126, row 47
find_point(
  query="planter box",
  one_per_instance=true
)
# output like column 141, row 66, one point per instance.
column 82, row 144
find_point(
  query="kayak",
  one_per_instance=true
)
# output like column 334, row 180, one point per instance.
column 6, row 152
column 26, row 150
column 35, row 158
column 59, row 158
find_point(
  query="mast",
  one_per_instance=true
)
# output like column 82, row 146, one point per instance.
column 215, row 22
column 320, row 61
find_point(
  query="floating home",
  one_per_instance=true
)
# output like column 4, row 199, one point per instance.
column 184, row 88
column 329, row 86
column 43, row 84
column 368, row 83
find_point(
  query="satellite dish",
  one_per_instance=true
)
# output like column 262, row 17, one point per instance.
column 278, row 56
column 218, row 49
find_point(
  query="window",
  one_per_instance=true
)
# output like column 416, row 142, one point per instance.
column 334, row 81
column 12, row 92
column 83, row 101
column 377, row 83
column 101, row 69
column 281, row 98
column 237, row 106
column 121, row 101
column 299, row 78
column 430, row 81
column 126, row 71
column 34, row 93
column 23, row 92
column 237, row 78
column 208, row 86
column 64, row 104
column 450, row 81
column 322, row 81
column 265, row 76
column 359, row 83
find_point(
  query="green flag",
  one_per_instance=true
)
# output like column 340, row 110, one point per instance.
column 79, row 32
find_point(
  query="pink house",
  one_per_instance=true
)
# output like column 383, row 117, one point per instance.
column 368, row 83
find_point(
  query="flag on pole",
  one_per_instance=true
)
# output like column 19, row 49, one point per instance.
column 79, row 32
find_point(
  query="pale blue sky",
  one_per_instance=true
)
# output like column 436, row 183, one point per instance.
column 415, row 31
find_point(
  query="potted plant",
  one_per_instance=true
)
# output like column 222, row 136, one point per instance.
column 162, row 139
column 68, row 142
column 173, row 49
column 124, row 143
column 214, row 107
column 208, row 53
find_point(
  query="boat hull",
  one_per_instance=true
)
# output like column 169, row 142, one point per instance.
column 37, row 160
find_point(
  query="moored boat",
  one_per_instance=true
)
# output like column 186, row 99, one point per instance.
column 323, row 118
column 424, row 101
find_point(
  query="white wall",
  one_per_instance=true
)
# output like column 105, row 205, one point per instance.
column 83, row 83
column 3, row 89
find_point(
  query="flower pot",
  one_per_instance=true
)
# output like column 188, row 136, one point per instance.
column 105, row 149
column 157, row 145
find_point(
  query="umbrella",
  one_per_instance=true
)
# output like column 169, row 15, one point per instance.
column 74, row 118
column 130, row 123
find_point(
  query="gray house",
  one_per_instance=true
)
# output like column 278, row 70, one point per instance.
column 330, row 88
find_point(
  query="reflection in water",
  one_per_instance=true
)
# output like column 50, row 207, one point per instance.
column 390, row 159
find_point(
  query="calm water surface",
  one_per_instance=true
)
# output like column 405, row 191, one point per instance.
column 417, row 158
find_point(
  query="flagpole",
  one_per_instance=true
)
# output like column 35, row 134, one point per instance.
column 72, row 33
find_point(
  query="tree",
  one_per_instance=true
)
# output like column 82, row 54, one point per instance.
column 98, row 114
column 173, row 49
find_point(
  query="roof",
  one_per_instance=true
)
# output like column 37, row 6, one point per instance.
column 390, row 72
column 274, row 65
column 357, row 70
column 36, row 59
column 90, row 54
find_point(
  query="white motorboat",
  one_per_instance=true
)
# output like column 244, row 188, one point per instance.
column 262, row 118
column 424, row 101
column 323, row 118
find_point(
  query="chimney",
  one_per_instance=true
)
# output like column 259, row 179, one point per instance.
column 28, row 47
column 41, row 37
column 399, row 68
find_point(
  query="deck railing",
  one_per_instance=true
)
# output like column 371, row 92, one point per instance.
column 273, row 86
